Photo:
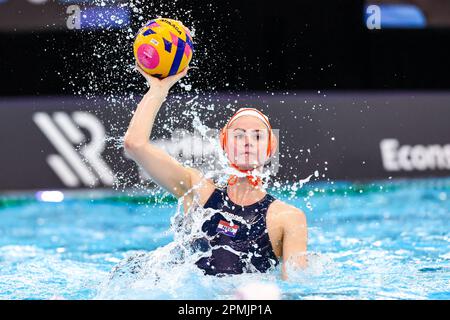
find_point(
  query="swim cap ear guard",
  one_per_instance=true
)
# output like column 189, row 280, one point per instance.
column 271, row 145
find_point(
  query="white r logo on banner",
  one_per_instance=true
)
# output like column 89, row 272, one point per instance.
column 74, row 167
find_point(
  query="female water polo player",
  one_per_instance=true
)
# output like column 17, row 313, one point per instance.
column 252, row 230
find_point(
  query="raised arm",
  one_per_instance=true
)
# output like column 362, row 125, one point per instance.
column 166, row 171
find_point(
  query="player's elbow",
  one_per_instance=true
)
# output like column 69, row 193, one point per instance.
column 132, row 145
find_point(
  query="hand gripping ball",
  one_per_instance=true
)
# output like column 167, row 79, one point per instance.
column 163, row 47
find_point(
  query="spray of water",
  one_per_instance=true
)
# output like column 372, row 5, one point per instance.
column 169, row 271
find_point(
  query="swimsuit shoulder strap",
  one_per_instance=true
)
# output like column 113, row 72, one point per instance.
column 215, row 199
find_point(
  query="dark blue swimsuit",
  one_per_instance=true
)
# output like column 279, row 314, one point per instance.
column 247, row 247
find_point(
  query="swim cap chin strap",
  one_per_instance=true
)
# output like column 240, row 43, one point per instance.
column 253, row 180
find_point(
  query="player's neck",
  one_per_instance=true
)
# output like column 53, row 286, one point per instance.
column 244, row 193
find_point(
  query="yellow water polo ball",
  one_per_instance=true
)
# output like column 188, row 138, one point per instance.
column 163, row 47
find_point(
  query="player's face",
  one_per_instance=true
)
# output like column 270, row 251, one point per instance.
column 247, row 142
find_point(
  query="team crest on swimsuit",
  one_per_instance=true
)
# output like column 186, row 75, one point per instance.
column 227, row 229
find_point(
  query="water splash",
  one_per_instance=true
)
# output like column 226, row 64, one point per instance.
column 159, row 273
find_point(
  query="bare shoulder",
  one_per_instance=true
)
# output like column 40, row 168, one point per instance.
column 197, row 176
column 286, row 214
column 204, row 187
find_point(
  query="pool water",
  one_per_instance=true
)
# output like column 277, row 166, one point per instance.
column 379, row 240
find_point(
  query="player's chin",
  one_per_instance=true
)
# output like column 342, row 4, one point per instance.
column 244, row 164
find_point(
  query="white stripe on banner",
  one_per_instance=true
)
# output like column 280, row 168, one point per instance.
column 67, row 126
column 44, row 122
column 62, row 170
column 92, row 151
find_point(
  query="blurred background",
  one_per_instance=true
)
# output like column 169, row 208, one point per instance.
column 358, row 89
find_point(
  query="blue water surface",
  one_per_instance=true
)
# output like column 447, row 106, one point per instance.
column 379, row 240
